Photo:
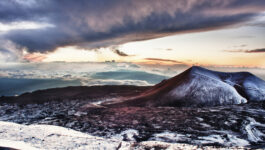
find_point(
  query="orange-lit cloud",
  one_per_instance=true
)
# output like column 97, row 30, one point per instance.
column 34, row 57
column 163, row 60
column 159, row 61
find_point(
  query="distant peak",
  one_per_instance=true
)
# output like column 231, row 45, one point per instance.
column 197, row 68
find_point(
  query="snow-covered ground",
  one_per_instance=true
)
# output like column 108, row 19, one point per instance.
column 252, row 86
column 51, row 137
column 203, row 89
column 208, row 87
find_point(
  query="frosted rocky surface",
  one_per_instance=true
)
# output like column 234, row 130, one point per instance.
column 228, row 126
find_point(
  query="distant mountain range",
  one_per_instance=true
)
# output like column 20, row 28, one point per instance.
column 194, row 87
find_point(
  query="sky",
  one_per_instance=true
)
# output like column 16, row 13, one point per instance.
column 202, row 32
column 69, row 39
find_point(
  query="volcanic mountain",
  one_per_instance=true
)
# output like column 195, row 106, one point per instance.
column 198, row 86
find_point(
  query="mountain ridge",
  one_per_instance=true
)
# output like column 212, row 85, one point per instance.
column 198, row 86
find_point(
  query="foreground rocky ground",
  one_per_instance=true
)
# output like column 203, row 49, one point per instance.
column 223, row 126
column 37, row 137
column 79, row 109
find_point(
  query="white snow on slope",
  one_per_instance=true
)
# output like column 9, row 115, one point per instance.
column 253, row 86
column 208, row 87
column 207, row 90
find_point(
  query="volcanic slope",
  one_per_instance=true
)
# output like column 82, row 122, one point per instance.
column 198, row 86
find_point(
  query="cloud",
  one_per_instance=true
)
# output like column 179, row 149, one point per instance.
column 164, row 60
column 22, row 25
column 92, row 23
column 114, row 82
column 261, row 50
column 150, row 78
column 25, row 77
column 35, row 57
column 245, row 37
column 9, row 52
column 242, row 45
column 120, row 53
column 116, row 50
column 167, row 49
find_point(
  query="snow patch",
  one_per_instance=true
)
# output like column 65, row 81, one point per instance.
column 252, row 132
column 169, row 137
column 229, row 140
column 127, row 135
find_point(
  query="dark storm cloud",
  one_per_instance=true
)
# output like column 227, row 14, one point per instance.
column 93, row 23
column 261, row 50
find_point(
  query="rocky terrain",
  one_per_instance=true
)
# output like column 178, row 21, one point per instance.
column 235, row 125
column 125, row 114
column 38, row 137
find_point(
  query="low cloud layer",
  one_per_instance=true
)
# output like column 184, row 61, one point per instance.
column 93, row 23
column 150, row 78
column 20, row 78
column 25, row 77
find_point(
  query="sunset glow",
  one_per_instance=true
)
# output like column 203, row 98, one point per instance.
column 225, row 41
